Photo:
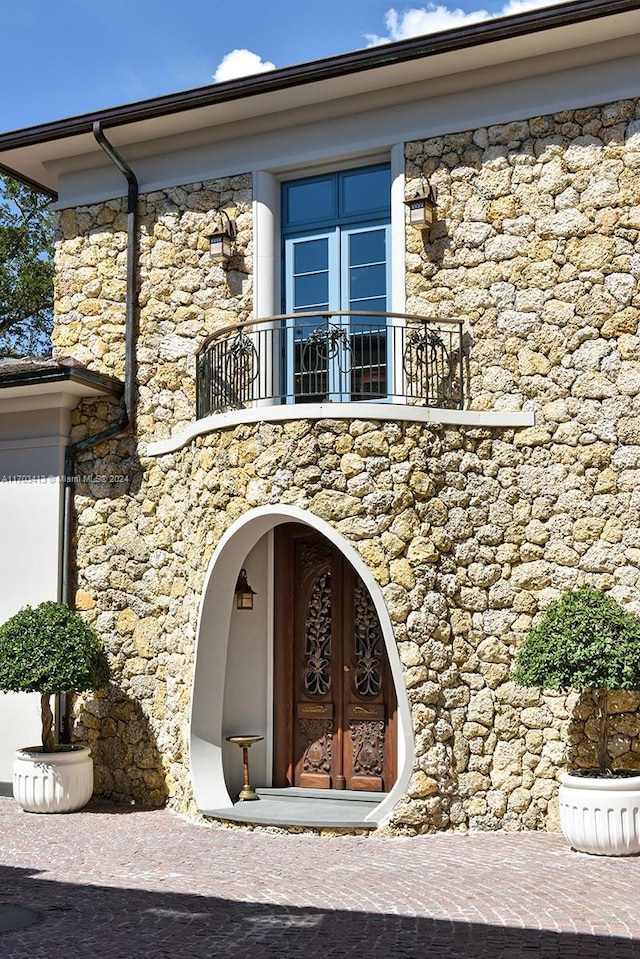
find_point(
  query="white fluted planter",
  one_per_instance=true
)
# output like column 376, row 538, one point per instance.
column 61, row 781
column 601, row 816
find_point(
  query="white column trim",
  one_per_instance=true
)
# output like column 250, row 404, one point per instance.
column 266, row 247
column 398, row 242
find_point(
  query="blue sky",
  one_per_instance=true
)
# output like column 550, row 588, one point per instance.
column 61, row 58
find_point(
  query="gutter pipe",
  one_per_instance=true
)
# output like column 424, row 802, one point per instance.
column 132, row 259
column 127, row 418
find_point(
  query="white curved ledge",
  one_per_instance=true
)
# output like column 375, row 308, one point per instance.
column 341, row 411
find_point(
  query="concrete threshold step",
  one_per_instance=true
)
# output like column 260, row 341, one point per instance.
column 307, row 808
column 297, row 792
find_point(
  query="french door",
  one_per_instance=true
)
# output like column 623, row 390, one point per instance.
column 337, row 261
column 335, row 706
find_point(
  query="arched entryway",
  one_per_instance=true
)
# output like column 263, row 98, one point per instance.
column 237, row 661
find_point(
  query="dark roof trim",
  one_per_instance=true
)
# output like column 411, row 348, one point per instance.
column 44, row 372
column 21, row 178
column 500, row 28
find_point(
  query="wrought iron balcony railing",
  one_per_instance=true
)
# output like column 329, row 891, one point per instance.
column 331, row 356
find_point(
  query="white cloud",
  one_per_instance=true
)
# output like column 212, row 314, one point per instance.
column 433, row 18
column 241, row 63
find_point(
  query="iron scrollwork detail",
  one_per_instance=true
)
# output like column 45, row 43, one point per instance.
column 424, row 347
column 242, row 363
column 428, row 365
column 367, row 674
column 317, row 650
column 324, row 344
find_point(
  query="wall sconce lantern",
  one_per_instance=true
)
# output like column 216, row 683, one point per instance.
column 221, row 242
column 422, row 206
column 244, row 593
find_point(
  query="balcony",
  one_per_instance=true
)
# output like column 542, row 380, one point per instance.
column 331, row 357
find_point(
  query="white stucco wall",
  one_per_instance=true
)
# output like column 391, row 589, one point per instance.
column 31, row 460
column 249, row 677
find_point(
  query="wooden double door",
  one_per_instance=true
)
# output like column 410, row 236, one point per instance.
column 334, row 701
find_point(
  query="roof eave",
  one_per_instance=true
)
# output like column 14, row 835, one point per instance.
column 52, row 375
column 488, row 31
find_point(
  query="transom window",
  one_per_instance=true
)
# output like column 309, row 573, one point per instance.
column 337, row 197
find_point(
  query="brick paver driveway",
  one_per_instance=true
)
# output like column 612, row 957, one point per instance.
column 126, row 882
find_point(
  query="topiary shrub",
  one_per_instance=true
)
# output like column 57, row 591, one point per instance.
column 50, row 649
column 584, row 641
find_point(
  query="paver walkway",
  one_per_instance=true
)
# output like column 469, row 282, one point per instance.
column 126, row 883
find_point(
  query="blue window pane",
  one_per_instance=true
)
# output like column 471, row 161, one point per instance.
column 310, row 200
column 310, row 256
column 373, row 305
column 367, row 281
column 364, row 191
column 311, row 291
column 369, row 247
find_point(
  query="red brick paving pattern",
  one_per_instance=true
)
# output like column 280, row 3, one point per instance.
column 126, row 883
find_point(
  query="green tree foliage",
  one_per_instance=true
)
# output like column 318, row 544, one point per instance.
column 50, row 649
column 584, row 640
column 26, row 271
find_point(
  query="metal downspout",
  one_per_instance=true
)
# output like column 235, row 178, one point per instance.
column 130, row 370
column 132, row 259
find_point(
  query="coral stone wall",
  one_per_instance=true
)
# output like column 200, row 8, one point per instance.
column 469, row 532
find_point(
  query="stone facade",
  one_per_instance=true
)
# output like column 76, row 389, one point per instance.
column 469, row 532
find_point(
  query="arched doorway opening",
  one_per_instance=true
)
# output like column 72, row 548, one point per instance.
column 237, row 662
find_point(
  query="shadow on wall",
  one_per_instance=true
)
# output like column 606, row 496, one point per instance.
column 624, row 731
column 111, row 469
column 127, row 763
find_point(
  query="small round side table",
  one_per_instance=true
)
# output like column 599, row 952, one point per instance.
column 245, row 743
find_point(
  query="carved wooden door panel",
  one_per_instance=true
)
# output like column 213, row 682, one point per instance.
column 337, row 729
